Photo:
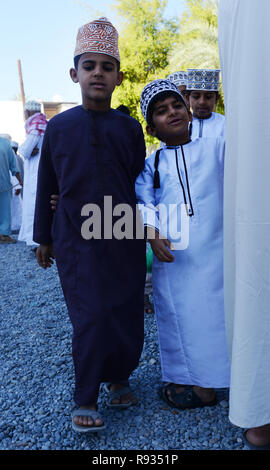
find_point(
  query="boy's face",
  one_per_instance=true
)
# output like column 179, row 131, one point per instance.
column 170, row 119
column 203, row 103
column 98, row 76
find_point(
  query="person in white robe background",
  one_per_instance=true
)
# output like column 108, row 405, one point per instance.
column 35, row 127
column 203, row 92
column 188, row 284
column 20, row 162
column 16, row 205
column 8, row 167
column 16, row 201
column 180, row 79
column 244, row 35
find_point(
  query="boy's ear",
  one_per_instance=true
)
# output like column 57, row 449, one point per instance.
column 119, row 78
column 151, row 131
column 74, row 76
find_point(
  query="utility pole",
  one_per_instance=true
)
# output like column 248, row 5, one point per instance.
column 21, row 84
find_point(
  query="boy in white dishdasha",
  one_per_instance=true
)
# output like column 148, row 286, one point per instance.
column 187, row 283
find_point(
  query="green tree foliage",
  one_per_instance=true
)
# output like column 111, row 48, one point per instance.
column 152, row 46
column 145, row 40
column 197, row 44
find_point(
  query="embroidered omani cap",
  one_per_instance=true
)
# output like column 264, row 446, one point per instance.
column 99, row 37
column 32, row 106
column 178, row 78
column 154, row 88
column 203, row 79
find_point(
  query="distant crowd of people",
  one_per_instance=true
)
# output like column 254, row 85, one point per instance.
column 18, row 183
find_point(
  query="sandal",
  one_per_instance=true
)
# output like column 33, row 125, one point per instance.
column 7, row 239
column 185, row 400
column 90, row 413
column 117, row 394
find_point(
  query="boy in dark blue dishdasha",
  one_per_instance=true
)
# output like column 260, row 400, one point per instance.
column 90, row 152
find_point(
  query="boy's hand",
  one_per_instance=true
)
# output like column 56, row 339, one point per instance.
column 45, row 256
column 54, row 201
column 160, row 245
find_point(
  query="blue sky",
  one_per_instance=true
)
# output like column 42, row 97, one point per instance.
column 42, row 35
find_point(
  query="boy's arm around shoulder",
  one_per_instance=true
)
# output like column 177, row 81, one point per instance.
column 140, row 151
column 145, row 194
column 46, row 186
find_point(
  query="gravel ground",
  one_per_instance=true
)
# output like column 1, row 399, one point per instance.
column 37, row 378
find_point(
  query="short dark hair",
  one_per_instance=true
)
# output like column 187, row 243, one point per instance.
column 76, row 61
column 161, row 97
column 124, row 109
column 77, row 58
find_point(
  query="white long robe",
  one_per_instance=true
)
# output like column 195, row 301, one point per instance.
column 16, row 205
column 188, row 293
column 244, row 36
column 29, row 186
column 211, row 127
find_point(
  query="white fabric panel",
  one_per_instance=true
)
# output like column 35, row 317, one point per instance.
column 244, row 40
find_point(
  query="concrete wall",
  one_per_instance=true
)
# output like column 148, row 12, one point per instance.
column 12, row 120
column 12, row 117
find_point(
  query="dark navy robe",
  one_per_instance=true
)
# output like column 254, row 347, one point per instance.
column 87, row 155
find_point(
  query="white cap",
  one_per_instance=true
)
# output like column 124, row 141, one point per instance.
column 178, row 78
column 203, row 79
column 153, row 89
column 32, row 106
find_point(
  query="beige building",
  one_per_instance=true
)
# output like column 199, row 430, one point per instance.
column 12, row 117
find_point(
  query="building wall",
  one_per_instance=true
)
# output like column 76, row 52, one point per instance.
column 12, row 120
column 51, row 108
column 12, row 117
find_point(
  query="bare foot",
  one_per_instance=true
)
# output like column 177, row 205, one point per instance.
column 259, row 436
column 205, row 394
column 87, row 420
column 179, row 388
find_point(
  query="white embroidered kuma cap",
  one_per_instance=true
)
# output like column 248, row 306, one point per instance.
column 32, row 106
column 154, row 88
column 203, row 79
column 178, row 78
